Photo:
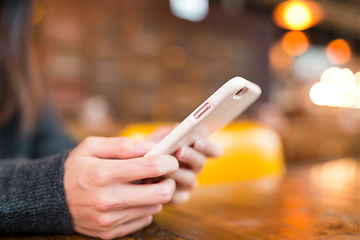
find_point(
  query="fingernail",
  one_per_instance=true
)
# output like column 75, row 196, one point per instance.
column 145, row 146
column 200, row 145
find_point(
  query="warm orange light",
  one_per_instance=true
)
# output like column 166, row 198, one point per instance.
column 295, row 43
column 280, row 61
column 338, row 51
column 297, row 15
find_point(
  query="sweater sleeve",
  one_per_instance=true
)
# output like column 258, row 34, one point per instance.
column 32, row 196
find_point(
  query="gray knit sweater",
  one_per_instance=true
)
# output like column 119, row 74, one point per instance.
column 32, row 198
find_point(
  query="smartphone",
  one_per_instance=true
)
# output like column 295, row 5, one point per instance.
column 222, row 107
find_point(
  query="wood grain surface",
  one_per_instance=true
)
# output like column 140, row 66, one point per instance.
column 311, row 202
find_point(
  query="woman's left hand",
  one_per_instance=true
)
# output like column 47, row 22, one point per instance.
column 192, row 160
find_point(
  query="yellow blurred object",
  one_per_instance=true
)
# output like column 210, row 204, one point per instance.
column 251, row 151
column 139, row 131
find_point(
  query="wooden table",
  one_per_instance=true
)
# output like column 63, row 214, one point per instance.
column 311, row 202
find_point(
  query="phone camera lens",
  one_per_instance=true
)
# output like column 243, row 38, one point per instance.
column 242, row 91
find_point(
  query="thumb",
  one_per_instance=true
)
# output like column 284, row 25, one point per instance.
column 113, row 147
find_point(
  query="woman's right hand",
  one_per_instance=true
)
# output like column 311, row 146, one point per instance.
column 100, row 195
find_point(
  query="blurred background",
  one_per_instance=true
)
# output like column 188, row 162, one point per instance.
column 114, row 62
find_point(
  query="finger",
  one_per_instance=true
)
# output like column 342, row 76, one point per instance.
column 137, row 168
column 130, row 214
column 120, row 231
column 184, row 178
column 114, row 218
column 116, row 147
column 132, row 226
column 209, row 148
column 180, row 196
column 148, row 194
column 191, row 157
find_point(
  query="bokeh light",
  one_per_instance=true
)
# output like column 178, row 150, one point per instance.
column 357, row 90
column 321, row 93
column 297, row 15
column 335, row 176
column 280, row 61
column 343, row 80
column 192, row 10
column 357, row 78
column 349, row 99
column 295, row 43
column 338, row 99
column 327, row 75
column 311, row 64
column 338, row 51
column 337, row 87
column 349, row 79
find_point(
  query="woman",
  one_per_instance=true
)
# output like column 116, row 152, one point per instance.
column 45, row 188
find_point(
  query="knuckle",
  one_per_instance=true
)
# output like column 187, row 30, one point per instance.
column 101, row 203
column 125, row 143
column 100, row 176
column 89, row 141
column 103, row 221
column 162, row 164
column 155, row 165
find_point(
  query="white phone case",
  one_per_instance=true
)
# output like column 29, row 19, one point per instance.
column 222, row 107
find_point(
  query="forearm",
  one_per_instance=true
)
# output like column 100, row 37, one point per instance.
column 32, row 198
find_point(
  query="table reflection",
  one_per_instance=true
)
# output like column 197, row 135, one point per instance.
column 311, row 202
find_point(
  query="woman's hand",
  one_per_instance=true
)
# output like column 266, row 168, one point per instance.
column 101, row 198
column 191, row 160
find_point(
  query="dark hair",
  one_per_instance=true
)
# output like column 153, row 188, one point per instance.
column 21, row 91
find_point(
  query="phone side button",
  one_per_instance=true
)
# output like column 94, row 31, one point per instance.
column 202, row 110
